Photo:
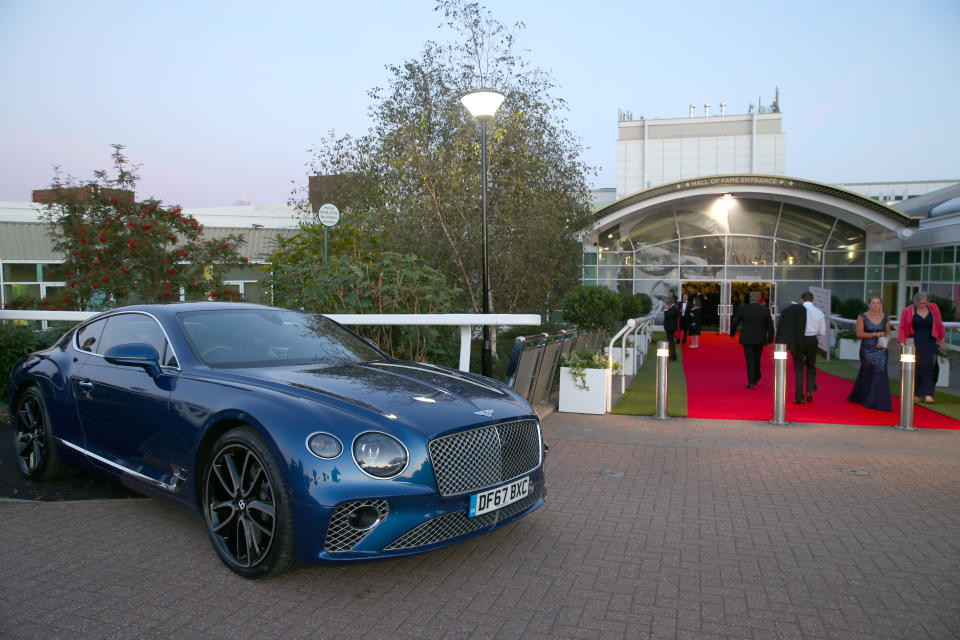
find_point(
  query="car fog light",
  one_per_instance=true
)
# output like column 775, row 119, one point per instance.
column 324, row 445
column 379, row 455
column 364, row 518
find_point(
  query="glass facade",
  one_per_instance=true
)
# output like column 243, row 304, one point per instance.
column 712, row 238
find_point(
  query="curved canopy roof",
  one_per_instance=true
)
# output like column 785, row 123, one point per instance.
column 778, row 205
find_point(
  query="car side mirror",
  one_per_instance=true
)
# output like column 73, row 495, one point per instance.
column 135, row 354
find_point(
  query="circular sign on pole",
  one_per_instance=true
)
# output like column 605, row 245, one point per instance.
column 328, row 215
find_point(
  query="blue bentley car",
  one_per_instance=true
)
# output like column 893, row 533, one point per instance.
column 291, row 436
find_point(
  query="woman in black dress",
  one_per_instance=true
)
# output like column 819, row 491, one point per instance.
column 921, row 322
column 695, row 323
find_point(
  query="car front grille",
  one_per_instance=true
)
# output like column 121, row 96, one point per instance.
column 456, row 524
column 342, row 535
column 479, row 458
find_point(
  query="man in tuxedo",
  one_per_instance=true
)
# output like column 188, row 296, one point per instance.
column 790, row 330
column 671, row 317
column 816, row 325
column 756, row 332
column 686, row 306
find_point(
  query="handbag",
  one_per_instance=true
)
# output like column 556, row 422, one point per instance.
column 882, row 342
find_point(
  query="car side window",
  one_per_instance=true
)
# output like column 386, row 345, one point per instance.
column 136, row 327
column 88, row 337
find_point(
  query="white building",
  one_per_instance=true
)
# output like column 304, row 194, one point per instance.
column 658, row 151
column 27, row 254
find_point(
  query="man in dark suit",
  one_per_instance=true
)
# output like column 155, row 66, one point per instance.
column 686, row 306
column 756, row 332
column 671, row 317
column 790, row 328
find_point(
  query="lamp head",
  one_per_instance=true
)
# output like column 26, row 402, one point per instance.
column 482, row 104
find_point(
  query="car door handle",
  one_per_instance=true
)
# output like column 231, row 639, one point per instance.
column 86, row 385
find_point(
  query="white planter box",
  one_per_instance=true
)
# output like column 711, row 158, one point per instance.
column 944, row 379
column 629, row 367
column 848, row 349
column 593, row 399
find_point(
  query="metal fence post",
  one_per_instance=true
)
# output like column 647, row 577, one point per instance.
column 908, row 364
column 779, row 384
column 663, row 352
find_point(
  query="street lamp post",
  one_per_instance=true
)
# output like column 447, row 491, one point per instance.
column 482, row 105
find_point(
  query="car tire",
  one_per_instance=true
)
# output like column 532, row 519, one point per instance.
column 246, row 507
column 34, row 444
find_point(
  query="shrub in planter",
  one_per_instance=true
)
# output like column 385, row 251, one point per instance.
column 584, row 379
column 579, row 361
column 851, row 308
column 592, row 308
column 947, row 309
column 634, row 305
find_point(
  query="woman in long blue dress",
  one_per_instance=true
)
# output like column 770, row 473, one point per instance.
column 872, row 387
column 922, row 324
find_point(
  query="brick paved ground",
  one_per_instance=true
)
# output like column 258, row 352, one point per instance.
column 714, row 530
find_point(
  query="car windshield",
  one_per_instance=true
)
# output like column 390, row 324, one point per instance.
column 271, row 337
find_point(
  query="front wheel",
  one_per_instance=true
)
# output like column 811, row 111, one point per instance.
column 246, row 507
column 35, row 446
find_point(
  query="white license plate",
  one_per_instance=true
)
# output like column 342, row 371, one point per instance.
column 493, row 499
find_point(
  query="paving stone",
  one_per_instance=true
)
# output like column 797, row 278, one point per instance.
column 716, row 529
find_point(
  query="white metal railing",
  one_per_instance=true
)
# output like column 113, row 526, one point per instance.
column 836, row 321
column 466, row 321
column 633, row 327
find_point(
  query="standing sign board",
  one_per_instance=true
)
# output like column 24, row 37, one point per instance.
column 821, row 300
column 328, row 215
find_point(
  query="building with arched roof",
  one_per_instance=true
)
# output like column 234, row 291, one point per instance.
column 727, row 234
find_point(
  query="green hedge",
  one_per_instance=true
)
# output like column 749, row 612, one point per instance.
column 17, row 340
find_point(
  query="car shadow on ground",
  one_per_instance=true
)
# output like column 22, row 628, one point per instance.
column 76, row 485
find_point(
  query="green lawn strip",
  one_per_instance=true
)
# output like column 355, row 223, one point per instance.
column 946, row 404
column 640, row 398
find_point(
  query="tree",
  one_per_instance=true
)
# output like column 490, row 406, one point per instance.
column 115, row 247
column 414, row 180
column 367, row 282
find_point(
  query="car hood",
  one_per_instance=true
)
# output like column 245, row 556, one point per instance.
column 426, row 398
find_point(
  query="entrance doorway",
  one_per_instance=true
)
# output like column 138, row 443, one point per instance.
column 722, row 300
column 711, row 298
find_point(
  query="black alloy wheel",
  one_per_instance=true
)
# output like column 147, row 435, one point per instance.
column 246, row 508
column 35, row 447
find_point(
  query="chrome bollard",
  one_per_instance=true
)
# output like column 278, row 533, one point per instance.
column 908, row 366
column 779, row 384
column 663, row 352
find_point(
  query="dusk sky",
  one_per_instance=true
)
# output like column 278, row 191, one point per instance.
column 219, row 101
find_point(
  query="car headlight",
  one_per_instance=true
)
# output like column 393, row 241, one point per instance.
column 379, row 455
column 324, row 445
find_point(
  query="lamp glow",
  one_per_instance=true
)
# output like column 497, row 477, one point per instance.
column 908, row 357
column 663, row 353
column 482, row 105
column 779, row 355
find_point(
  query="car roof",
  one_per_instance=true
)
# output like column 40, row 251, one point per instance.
column 170, row 310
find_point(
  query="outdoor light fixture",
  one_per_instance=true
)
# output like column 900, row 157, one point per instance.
column 908, row 371
column 779, row 384
column 663, row 350
column 482, row 105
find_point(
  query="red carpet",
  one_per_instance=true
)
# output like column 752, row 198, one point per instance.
column 716, row 374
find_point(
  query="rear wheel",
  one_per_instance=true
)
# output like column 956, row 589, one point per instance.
column 34, row 443
column 246, row 507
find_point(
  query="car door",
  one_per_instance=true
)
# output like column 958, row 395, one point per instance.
column 123, row 410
